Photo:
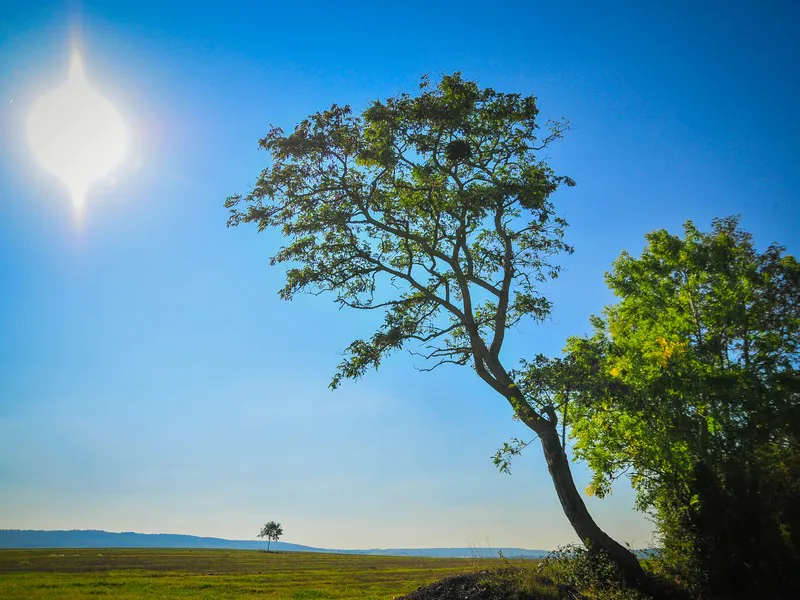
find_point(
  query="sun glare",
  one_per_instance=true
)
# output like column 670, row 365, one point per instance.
column 76, row 134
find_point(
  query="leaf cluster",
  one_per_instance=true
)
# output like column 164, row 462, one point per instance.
column 696, row 361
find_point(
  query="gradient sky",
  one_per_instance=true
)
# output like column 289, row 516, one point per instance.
column 150, row 378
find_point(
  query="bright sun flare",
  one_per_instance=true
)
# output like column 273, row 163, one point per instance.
column 75, row 133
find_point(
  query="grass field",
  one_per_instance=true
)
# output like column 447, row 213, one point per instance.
column 224, row 574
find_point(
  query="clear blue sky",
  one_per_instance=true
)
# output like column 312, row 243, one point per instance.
column 150, row 378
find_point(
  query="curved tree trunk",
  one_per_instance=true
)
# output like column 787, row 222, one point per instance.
column 558, row 464
column 580, row 519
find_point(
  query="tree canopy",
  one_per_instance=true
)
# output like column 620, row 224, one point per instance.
column 441, row 196
column 690, row 385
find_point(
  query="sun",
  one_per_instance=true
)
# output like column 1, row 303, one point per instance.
column 76, row 134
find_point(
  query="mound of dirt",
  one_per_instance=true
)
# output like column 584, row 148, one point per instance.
column 485, row 585
column 458, row 587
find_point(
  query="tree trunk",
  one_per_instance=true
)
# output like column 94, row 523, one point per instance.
column 583, row 524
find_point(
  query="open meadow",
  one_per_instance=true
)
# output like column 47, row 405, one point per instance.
column 219, row 574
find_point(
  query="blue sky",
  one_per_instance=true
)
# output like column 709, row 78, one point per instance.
column 150, row 378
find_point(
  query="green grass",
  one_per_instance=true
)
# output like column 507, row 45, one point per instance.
column 224, row 574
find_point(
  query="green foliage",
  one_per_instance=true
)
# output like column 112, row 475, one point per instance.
column 520, row 580
column 690, row 385
column 271, row 531
column 502, row 458
column 591, row 572
column 432, row 208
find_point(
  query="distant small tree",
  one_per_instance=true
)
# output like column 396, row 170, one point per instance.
column 271, row 532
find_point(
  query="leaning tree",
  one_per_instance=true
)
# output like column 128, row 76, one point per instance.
column 436, row 210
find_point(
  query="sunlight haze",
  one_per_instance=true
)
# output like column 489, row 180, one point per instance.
column 75, row 133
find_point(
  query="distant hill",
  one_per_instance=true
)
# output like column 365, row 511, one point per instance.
column 87, row 538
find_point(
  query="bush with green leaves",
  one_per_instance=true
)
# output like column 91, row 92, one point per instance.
column 690, row 385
